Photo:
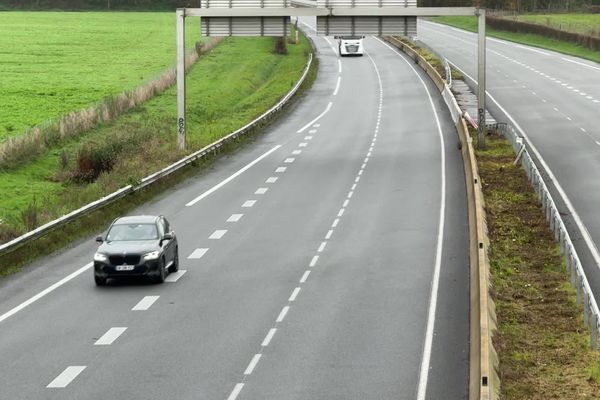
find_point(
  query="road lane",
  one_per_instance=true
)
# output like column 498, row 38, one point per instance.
column 347, row 230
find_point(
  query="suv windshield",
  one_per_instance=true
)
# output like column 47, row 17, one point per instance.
column 123, row 232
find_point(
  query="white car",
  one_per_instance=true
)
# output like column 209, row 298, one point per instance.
column 350, row 45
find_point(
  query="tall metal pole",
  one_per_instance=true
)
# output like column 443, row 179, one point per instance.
column 481, row 80
column 180, row 15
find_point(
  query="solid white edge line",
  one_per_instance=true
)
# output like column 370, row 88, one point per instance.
column 252, row 364
column 268, row 338
column 339, row 66
column 337, row 86
column 145, row 303
column 232, row 177
column 425, row 362
column 579, row 63
column 66, row 377
column 316, row 119
column 582, row 228
column 110, row 336
column 44, row 292
column 236, row 390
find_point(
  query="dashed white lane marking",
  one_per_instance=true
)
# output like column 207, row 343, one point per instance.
column 337, row 86
column 235, row 217
column 360, row 172
column 357, row 179
column 353, row 186
column 313, row 262
column 321, row 247
column 145, row 303
column 198, row 253
column 271, row 179
column 227, row 180
column 268, row 338
column 340, row 66
column 174, row 276
column 261, row 190
column 294, row 294
column 335, row 222
column 583, row 130
column 248, row 204
column 598, row 143
column 346, row 203
column 308, row 137
column 303, row 144
column 283, row 313
column 110, row 336
column 305, row 276
column 316, row 119
column 316, row 126
column 341, row 212
column 350, row 194
column 236, row 390
column 219, row 233
column 44, row 292
column 569, row 118
column 556, row 109
column 252, row 364
column 329, row 233
column 289, row 160
column 280, row 169
column 66, row 377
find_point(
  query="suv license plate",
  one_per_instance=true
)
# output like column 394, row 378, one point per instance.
column 125, row 267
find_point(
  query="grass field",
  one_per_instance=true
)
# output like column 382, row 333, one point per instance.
column 55, row 62
column 588, row 24
column 470, row 24
column 228, row 87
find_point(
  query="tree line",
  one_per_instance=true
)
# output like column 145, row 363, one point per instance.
column 516, row 5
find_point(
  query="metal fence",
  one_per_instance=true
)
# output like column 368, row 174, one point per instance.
column 591, row 313
column 207, row 150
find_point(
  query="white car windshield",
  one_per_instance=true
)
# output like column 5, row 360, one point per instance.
column 129, row 232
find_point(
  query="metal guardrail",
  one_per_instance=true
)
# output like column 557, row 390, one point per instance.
column 585, row 296
column 210, row 149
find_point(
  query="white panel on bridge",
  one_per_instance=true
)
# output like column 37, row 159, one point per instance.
column 245, row 26
column 366, row 3
column 341, row 26
column 245, row 3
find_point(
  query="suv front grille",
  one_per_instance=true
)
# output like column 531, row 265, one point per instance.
column 128, row 260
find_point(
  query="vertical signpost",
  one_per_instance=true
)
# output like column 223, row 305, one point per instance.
column 180, row 15
column 481, row 81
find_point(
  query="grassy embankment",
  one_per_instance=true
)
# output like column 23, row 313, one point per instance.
column 470, row 24
column 228, row 87
column 587, row 24
column 542, row 342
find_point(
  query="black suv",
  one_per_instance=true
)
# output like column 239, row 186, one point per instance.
column 136, row 246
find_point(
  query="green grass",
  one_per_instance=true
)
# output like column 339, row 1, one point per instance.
column 55, row 62
column 588, row 24
column 228, row 87
column 470, row 24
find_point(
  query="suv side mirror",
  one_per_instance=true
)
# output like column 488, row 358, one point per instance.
column 99, row 239
column 166, row 236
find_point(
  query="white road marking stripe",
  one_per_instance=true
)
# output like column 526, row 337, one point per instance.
column 289, row 160
column 219, row 233
column 569, row 118
column 303, row 144
column 283, row 313
column 583, row 130
column 316, row 126
column 360, row 172
column 198, row 253
column 357, row 179
column 305, row 276
column 337, row 86
column 174, row 276
column 308, row 137
column 322, row 247
column 335, row 222
column 249, row 203
column 66, row 377
column 261, row 190
column 582, row 64
column 329, row 233
column 555, row 109
column 341, row 212
column 44, row 292
column 296, row 152
column 234, row 218
column 346, row 203
column 363, row 166
column 598, row 143
column 268, row 338
column 236, row 390
column 224, row 182
column 313, row 262
column 271, row 179
column 145, row 303
column 316, row 119
column 340, row 66
column 280, row 169
column 312, row 131
column 294, row 294
column 252, row 364
column 110, row 336
column 350, row 194
column 354, row 186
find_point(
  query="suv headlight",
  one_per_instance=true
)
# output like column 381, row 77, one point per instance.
column 152, row 255
column 100, row 257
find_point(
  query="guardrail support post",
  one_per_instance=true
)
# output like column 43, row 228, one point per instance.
column 481, row 79
column 594, row 325
column 180, row 16
column 586, row 308
column 579, row 288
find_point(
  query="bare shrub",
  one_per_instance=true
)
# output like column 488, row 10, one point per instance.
column 29, row 216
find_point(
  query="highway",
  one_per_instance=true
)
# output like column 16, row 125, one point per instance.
column 553, row 100
column 333, row 265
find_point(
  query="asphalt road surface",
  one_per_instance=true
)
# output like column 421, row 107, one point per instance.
column 334, row 265
column 554, row 100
